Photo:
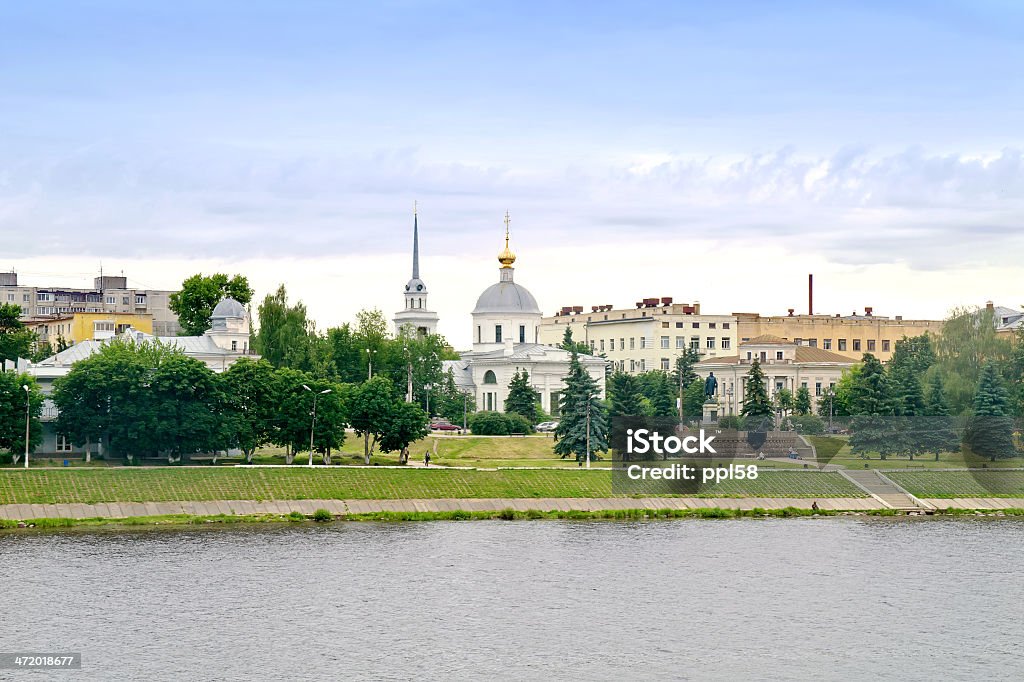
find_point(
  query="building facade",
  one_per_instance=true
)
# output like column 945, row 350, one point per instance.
column 107, row 295
column 648, row 337
column 78, row 327
column 850, row 336
column 785, row 365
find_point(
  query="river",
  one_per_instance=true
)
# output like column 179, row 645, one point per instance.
column 826, row 599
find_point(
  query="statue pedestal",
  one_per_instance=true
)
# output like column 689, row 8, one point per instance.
column 710, row 412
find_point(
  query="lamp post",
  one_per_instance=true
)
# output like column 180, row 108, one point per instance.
column 728, row 396
column 312, row 428
column 465, row 409
column 588, row 431
column 369, row 356
column 28, row 413
column 831, row 394
column 426, row 390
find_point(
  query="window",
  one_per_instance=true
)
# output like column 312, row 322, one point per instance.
column 592, row 347
column 643, row 365
column 696, row 325
column 764, row 356
column 664, row 325
column 778, row 386
column 680, row 342
column 826, row 344
column 664, row 364
column 748, row 355
column 622, row 344
column 856, row 344
column 632, row 343
column 725, row 325
column 478, row 339
column 803, row 384
column 710, row 342
column 611, row 344
column 489, row 377
column 63, row 444
column 103, row 326
column 234, row 345
column 694, row 343
column 813, row 343
column 140, row 300
column 522, row 333
column 712, row 325
column 124, row 301
column 664, row 342
column 817, row 388
column 871, row 344
column 632, row 365
column 643, row 342
column 726, row 344
column 778, row 355
column 10, row 297
column 679, row 325
column 497, row 333
column 111, row 300
column 842, row 344
column 798, row 341
column 24, row 297
column 43, row 296
column 602, row 345
column 885, row 345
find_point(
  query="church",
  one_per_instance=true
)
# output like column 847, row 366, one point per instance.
column 505, row 331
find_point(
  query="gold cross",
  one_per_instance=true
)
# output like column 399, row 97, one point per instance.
column 507, row 221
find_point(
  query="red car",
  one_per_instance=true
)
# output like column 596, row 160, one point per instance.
column 444, row 426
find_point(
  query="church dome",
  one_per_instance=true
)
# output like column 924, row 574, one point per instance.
column 228, row 307
column 506, row 297
column 415, row 286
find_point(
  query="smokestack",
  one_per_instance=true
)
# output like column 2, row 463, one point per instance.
column 810, row 294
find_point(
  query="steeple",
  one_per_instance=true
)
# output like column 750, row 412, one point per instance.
column 506, row 257
column 415, row 243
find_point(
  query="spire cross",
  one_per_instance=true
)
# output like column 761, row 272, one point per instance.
column 507, row 221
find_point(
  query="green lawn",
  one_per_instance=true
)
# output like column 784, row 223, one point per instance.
column 949, row 484
column 836, row 450
column 161, row 484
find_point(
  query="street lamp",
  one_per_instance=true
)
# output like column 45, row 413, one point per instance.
column 28, row 412
column 728, row 395
column 313, row 427
column 369, row 355
column 831, row 394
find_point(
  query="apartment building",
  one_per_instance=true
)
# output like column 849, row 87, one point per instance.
column 109, row 294
column 649, row 336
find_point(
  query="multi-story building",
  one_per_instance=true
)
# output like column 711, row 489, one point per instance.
column 850, row 336
column 107, row 295
column 650, row 336
column 78, row 327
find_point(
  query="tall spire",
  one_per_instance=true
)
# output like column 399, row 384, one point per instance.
column 415, row 243
column 506, row 257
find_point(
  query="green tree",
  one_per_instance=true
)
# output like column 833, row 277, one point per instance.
column 693, row 400
column 406, row 424
column 756, row 405
column 908, row 405
column 624, row 397
column 186, row 408
column 522, row 397
column 581, row 406
column 369, row 409
column 251, row 400
column 450, row 402
column 14, row 403
column 662, row 395
column 200, row 293
column 990, row 428
column 287, row 338
column 569, row 345
column 802, row 402
column 784, row 401
column 871, row 404
column 15, row 340
column 968, row 340
column 294, row 419
column 939, row 435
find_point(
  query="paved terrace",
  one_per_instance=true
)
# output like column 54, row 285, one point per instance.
column 119, row 510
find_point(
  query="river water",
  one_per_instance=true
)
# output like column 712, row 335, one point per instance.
column 826, row 599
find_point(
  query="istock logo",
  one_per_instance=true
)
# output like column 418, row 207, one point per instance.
column 647, row 442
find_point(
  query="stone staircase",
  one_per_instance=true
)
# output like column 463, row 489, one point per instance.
column 884, row 490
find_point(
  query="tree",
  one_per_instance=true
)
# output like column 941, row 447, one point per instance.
column 684, row 373
column 581, row 407
column 15, row 340
column 915, row 354
column 908, row 405
column 624, row 397
column 13, row 403
column 802, row 402
column 187, row 408
column 406, row 423
column 522, row 397
column 871, row 404
column 569, row 345
column 990, row 428
column 693, row 400
column 251, row 400
column 938, row 433
column 450, row 402
column 784, row 401
column 369, row 411
column 200, row 294
column 295, row 413
column 286, row 338
column 841, row 395
column 757, row 409
column 968, row 340
column 662, row 395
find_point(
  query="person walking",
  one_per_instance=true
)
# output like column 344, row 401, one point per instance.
column 426, row 458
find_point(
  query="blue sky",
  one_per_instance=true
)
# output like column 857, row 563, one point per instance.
column 861, row 135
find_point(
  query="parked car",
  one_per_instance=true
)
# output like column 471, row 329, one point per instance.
column 444, row 425
column 545, row 427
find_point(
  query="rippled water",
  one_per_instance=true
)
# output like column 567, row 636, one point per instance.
column 838, row 598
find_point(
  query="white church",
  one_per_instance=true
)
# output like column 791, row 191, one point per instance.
column 506, row 327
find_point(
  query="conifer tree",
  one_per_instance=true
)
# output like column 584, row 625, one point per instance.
column 939, row 434
column 580, row 405
column 522, row 397
column 871, row 405
column 624, row 396
column 990, row 429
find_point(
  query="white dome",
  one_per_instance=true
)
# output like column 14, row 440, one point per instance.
column 506, row 297
column 228, row 307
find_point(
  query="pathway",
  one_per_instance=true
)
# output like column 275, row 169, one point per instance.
column 883, row 489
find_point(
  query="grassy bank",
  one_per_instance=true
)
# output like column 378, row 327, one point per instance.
column 952, row 484
column 169, row 484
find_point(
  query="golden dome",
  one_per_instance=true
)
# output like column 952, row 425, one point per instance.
column 506, row 257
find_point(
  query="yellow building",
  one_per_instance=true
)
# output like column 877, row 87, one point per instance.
column 78, row 327
column 850, row 336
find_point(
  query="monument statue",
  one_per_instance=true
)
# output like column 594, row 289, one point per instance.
column 710, row 385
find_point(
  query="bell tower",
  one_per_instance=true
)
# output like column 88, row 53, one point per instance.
column 416, row 313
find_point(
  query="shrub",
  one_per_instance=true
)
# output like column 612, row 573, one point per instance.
column 489, row 424
column 806, row 424
column 507, row 514
column 296, row 516
column 733, row 421
column 322, row 515
column 517, row 423
column 6, row 458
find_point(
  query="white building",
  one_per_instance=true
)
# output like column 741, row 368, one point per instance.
column 506, row 329
column 785, row 365
column 416, row 313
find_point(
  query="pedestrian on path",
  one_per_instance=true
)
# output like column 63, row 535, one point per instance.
column 426, row 458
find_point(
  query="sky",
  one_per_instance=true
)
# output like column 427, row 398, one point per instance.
column 716, row 152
